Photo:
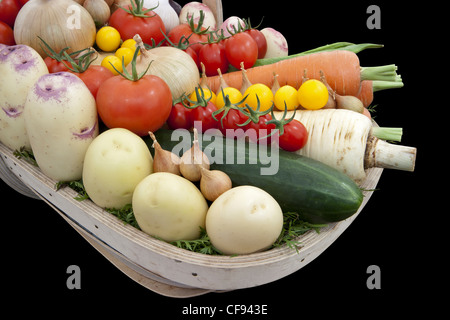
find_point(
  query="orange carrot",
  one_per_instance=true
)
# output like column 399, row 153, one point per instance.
column 341, row 68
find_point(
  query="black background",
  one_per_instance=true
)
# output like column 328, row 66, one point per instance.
column 398, row 229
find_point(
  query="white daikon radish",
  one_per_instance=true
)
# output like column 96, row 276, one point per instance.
column 61, row 122
column 20, row 67
column 346, row 140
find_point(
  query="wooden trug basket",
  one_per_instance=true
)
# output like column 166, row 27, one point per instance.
column 157, row 265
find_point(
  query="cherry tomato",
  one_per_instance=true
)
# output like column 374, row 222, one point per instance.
column 313, row 94
column 241, row 48
column 180, row 117
column 231, row 121
column 6, row 34
column 139, row 106
column 94, row 76
column 204, row 114
column 184, row 30
column 193, row 54
column 8, row 11
column 294, row 136
column 129, row 25
column 213, row 56
column 260, row 40
column 258, row 132
column 108, row 39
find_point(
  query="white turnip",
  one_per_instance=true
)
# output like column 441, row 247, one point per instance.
column 61, row 121
column 277, row 45
column 20, row 68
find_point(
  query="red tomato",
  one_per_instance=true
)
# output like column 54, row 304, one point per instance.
column 260, row 40
column 195, row 39
column 194, row 56
column 128, row 25
column 260, row 131
column 54, row 65
column 8, row 11
column 294, row 136
column 204, row 114
column 231, row 122
column 94, row 76
column 241, row 48
column 139, row 106
column 6, row 34
column 22, row 2
column 213, row 56
column 180, row 117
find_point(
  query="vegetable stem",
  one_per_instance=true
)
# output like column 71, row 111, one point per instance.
column 380, row 73
column 386, row 133
column 383, row 85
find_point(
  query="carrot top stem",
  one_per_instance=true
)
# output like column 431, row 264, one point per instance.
column 383, row 85
column 381, row 73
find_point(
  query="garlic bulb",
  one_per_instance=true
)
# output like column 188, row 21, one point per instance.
column 99, row 11
column 173, row 65
column 62, row 23
column 165, row 11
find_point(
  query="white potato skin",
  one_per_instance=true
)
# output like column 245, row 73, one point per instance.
column 170, row 207
column 61, row 122
column 20, row 67
column 115, row 162
column 244, row 220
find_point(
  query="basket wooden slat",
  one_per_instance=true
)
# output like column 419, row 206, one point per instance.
column 164, row 268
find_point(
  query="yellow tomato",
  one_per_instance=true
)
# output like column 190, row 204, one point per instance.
column 130, row 43
column 313, row 94
column 126, row 54
column 115, row 61
column 234, row 95
column 108, row 39
column 264, row 94
column 286, row 96
column 207, row 94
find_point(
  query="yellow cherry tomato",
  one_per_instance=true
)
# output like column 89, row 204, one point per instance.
column 126, row 54
column 286, row 96
column 207, row 93
column 130, row 43
column 115, row 61
column 264, row 94
column 234, row 95
column 108, row 39
column 312, row 94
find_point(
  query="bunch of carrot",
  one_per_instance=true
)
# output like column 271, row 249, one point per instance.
column 341, row 67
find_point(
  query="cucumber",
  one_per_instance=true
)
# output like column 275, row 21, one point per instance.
column 317, row 192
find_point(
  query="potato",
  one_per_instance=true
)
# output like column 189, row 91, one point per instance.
column 20, row 67
column 115, row 162
column 244, row 220
column 61, row 122
column 170, row 207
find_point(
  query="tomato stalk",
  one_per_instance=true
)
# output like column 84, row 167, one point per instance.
column 58, row 56
column 134, row 76
column 83, row 62
column 137, row 9
column 197, row 29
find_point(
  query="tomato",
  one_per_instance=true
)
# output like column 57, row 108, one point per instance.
column 260, row 40
column 139, row 106
column 22, row 2
column 195, row 36
column 213, row 56
column 234, row 95
column 180, row 117
column 126, row 54
column 232, row 121
column 54, row 65
column 128, row 25
column 313, row 94
column 108, row 39
column 94, row 76
column 259, row 92
column 193, row 54
column 294, row 136
column 6, row 34
column 258, row 132
column 286, row 97
column 204, row 114
column 241, row 48
column 8, row 11
column 111, row 62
